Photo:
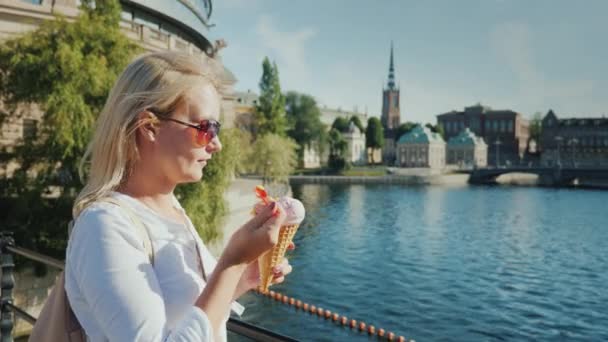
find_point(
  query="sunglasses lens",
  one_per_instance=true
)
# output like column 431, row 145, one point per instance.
column 210, row 130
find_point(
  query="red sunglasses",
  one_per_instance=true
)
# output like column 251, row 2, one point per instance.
column 206, row 130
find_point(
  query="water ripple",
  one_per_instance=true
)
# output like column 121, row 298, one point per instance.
column 447, row 264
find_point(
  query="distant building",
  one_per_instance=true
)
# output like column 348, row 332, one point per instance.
column 391, row 113
column 504, row 131
column 329, row 115
column 180, row 26
column 574, row 141
column 421, row 148
column 467, row 150
column 356, row 153
column 244, row 110
column 311, row 158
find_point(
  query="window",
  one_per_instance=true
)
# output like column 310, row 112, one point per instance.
column 487, row 125
column 30, row 129
column 503, row 125
column 34, row 2
column 495, row 125
column 511, row 126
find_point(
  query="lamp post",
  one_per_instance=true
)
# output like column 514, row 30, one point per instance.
column 497, row 143
column 572, row 142
column 559, row 142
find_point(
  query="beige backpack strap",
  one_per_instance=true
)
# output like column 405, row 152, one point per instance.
column 139, row 225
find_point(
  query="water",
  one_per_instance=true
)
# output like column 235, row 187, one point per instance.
column 447, row 264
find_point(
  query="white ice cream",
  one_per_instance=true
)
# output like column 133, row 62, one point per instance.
column 294, row 210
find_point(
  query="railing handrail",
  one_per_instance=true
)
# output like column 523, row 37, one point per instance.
column 237, row 326
column 29, row 254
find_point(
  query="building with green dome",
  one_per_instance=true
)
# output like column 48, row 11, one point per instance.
column 467, row 150
column 421, row 148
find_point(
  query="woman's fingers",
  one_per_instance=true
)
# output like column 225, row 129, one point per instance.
column 281, row 270
column 263, row 214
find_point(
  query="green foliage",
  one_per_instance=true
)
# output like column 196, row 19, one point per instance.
column 337, row 150
column 340, row 124
column 274, row 157
column 536, row 126
column 374, row 136
column 355, row 119
column 66, row 68
column 270, row 111
column 304, row 122
column 436, row 129
column 204, row 201
column 404, row 128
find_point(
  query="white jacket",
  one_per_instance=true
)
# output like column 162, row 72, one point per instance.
column 116, row 293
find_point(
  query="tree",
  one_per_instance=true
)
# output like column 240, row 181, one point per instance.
column 67, row 69
column 436, row 129
column 273, row 157
column 270, row 111
column 304, row 122
column 404, row 128
column 355, row 119
column 536, row 126
column 340, row 124
column 374, row 136
column 337, row 150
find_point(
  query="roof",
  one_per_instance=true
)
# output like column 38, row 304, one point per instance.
column 420, row 135
column 246, row 98
column 466, row 138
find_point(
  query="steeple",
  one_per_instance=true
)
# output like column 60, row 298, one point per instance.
column 391, row 71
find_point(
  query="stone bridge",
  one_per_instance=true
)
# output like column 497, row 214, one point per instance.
column 551, row 176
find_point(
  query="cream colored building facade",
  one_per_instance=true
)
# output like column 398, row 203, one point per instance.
column 156, row 25
column 467, row 150
column 421, row 148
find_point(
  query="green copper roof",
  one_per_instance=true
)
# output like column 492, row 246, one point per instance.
column 420, row 135
column 466, row 138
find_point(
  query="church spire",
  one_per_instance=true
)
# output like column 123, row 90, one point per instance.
column 391, row 71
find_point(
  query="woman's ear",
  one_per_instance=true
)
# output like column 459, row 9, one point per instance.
column 148, row 127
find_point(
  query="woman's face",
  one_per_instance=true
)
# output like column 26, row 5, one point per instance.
column 177, row 155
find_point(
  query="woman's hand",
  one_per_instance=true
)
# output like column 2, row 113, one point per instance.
column 251, row 277
column 255, row 237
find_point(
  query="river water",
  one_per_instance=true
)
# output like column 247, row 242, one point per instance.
column 447, row 264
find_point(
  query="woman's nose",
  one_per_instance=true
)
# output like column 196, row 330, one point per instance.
column 215, row 145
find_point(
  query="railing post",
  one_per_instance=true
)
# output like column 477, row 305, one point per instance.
column 7, row 282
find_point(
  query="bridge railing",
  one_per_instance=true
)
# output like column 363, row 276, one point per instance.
column 8, row 308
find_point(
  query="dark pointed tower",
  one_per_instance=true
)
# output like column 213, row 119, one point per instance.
column 391, row 114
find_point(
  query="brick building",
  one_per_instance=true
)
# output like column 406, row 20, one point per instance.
column 504, row 131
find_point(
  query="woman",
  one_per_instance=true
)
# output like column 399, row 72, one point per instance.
column 158, row 129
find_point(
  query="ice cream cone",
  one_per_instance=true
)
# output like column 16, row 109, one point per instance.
column 275, row 255
column 294, row 214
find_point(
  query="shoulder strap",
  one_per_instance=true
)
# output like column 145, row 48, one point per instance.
column 141, row 228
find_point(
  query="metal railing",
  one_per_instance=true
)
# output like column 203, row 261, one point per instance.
column 7, row 308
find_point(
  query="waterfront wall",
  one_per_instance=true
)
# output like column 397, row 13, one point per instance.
column 451, row 179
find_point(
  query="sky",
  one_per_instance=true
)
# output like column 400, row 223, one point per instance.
column 525, row 55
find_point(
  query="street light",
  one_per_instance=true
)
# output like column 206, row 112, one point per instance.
column 497, row 143
column 559, row 141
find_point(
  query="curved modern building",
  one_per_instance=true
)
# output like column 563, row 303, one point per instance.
column 156, row 25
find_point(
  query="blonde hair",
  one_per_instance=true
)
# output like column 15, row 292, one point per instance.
column 156, row 80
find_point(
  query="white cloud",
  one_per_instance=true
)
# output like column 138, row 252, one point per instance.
column 288, row 49
column 513, row 43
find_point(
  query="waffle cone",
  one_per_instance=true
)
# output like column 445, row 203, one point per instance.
column 275, row 255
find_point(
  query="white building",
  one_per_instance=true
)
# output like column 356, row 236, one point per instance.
column 467, row 150
column 421, row 148
column 356, row 153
